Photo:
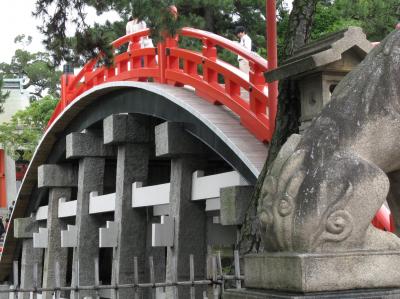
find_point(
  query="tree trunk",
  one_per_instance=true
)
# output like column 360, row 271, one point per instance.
column 287, row 119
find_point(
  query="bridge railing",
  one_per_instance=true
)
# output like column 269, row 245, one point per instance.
column 213, row 79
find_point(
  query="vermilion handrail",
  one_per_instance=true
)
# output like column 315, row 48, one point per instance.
column 227, row 44
column 170, row 64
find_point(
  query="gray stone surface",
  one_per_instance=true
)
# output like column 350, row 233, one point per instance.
column 41, row 238
column 6, row 295
column 121, row 128
column 322, row 52
column 54, row 252
column 90, row 178
column 54, row 175
column 322, row 272
column 234, row 204
column 172, row 140
column 25, row 227
column 324, row 189
column 132, row 166
column 190, row 222
column 30, row 256
column 353, row 294
column 87, row 145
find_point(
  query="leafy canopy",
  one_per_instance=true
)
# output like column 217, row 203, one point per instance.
column 39, row 73
column 26, row 127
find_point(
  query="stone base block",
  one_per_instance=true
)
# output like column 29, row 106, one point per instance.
column 323, row 272
column 353, row 294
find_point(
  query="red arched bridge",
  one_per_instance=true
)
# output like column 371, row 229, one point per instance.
column 181, row 122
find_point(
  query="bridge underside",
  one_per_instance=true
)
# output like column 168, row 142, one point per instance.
column 200, row 145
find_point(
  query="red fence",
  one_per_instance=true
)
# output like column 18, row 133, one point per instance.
column 215, row 81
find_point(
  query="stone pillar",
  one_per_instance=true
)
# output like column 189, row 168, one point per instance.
column 189, row 217
column 23, row 229
column 54, row 252
column 91, row 151
column 60, row 179
column 132, row 135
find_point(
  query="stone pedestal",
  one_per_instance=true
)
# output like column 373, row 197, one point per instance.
column 354, row 294
column 306, row 273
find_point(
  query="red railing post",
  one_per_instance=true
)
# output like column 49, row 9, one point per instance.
column 209, row 51
column 172, row 61
column 135, row 62
column 162, row 60
column 272, row 53
column 66, row 79
column 256, row 77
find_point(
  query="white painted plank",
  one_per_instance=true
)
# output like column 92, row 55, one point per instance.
column 66, row 208
column 108, row 236
column 40, row 239
column 69, row 237
column 207, row 187
column 213, row 204
column 42, row 212
column 102, row 203
column 162, row 234
column 150, row 195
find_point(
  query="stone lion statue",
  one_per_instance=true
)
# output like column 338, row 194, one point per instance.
column 325, row 186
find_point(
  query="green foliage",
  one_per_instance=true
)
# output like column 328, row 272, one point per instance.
column 327, row 20
column 26, row 127
column 218, row 16
column 37, row 70
column 376, row 17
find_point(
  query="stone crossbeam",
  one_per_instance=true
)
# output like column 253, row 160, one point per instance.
column 86, row 145
column 54, row 175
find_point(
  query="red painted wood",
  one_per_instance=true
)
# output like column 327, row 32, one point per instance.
column 171, row 64
column 272, row 53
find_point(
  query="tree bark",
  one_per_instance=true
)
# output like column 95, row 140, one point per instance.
column 287, row 119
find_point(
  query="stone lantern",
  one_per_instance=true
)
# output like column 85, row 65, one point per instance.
column 319, row 66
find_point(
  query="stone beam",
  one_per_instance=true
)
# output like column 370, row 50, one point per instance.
column 234, row 204
column 24, row 227
column 53, row 175
column 80, row 145
column 172, row 140
column 122, row 128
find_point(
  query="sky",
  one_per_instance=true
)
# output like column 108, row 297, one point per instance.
column 16, row 18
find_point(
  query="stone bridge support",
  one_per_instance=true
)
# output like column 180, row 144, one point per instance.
column 91, row 152
column 59, row 179
column 131, row 135
column 189, row 218
column 24, row 229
